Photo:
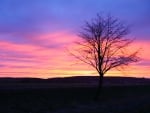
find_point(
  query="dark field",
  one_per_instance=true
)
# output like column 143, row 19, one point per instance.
column 74, row 95
column 116, row 99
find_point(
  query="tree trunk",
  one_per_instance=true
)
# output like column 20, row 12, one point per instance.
column 99, row 89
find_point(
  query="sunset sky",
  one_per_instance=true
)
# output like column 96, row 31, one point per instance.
column 35, row 35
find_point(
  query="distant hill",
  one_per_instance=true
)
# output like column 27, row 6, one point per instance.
column 77, row 81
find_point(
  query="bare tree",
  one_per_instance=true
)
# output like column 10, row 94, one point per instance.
column 104, row 46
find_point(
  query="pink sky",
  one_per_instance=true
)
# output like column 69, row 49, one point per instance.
column 34, row 60
column 35, row 36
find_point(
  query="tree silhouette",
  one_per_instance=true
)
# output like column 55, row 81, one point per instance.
column 104, row 46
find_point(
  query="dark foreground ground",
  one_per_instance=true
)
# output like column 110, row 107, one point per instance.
column 114, row 99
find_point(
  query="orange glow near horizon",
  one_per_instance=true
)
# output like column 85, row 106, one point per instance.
column 52, row 59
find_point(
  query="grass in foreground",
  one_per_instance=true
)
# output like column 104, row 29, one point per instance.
column 115, row 99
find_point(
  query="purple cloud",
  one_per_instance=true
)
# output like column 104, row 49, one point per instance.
column 27, row 27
